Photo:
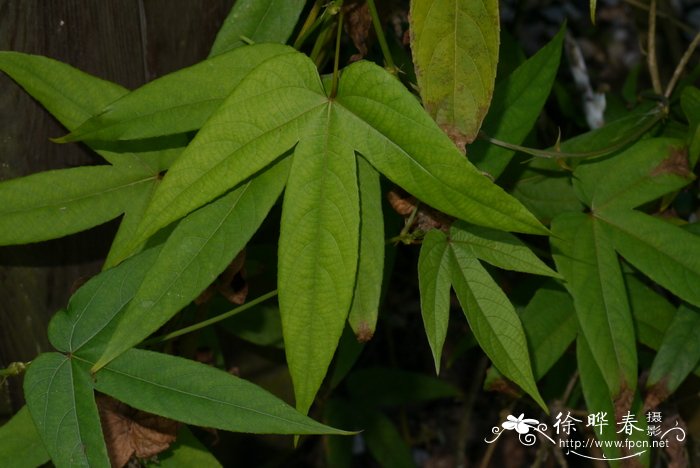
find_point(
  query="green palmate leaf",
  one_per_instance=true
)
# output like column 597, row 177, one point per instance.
column 549, row 322
column 585, row 256
column 201, row 395
column 666, row 253
column 597, row 397
column 69, row 94
column 257, row 21
column 318, row 254
column 368, row 286
column 492, row 318
column 20, row 443
column 57, row 203
column 186, row 452
column 177, row 102
column 517, row 102
column 60, row 398
column 281, row 104
column 499, row 248
column 641, row 173
column 85, row 325
column 434, row 285
column 383, row 387
column 196, row 252
column 455, row 51
column 690, row 103
column 679, row 353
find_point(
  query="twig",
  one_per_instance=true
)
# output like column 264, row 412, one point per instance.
column 681, row 65
column 651, row 50
column 662, row 14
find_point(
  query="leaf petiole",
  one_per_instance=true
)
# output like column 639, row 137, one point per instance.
column 211, row 321
column 380, row 36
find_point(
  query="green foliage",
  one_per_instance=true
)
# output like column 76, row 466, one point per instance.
column 21, row 444
column 257, row 144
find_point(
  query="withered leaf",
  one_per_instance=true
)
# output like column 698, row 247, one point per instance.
column 130, row 432
column 426, row 217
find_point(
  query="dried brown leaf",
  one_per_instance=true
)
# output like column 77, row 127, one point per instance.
column 130, row 432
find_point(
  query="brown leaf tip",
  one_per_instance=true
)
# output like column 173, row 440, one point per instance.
column 364, row 332
column 675, row 163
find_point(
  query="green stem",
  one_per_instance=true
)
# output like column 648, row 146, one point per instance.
column 313, row 21
column 554, row 154
column 15, row 368
column 336, row 59
column 380, row 35
column 211, row 321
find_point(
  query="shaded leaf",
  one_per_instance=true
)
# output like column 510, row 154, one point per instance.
column 643, row 172
column 616, row 134
column 370, row 267
column 597, row 396
column 499, row 248
column 20, row 443
column 492, row 318
column 434, row 285
column 666, row 253
column 60, row 398
column 455, row 52
column 678, row 354
column 260, row 325
column 546, row 193
column 57, row 203
column 207, row 397
column 257, row 21
column 690, row 103
column 318, row 255
column 384, row 387
column 379, row 433
column 584, row 255
column 517, row 102
column 652, row 313
column 178, row 102
column 200, row 247
column 549, row 322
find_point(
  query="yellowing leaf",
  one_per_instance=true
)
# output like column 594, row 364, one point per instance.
column 455, row 51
